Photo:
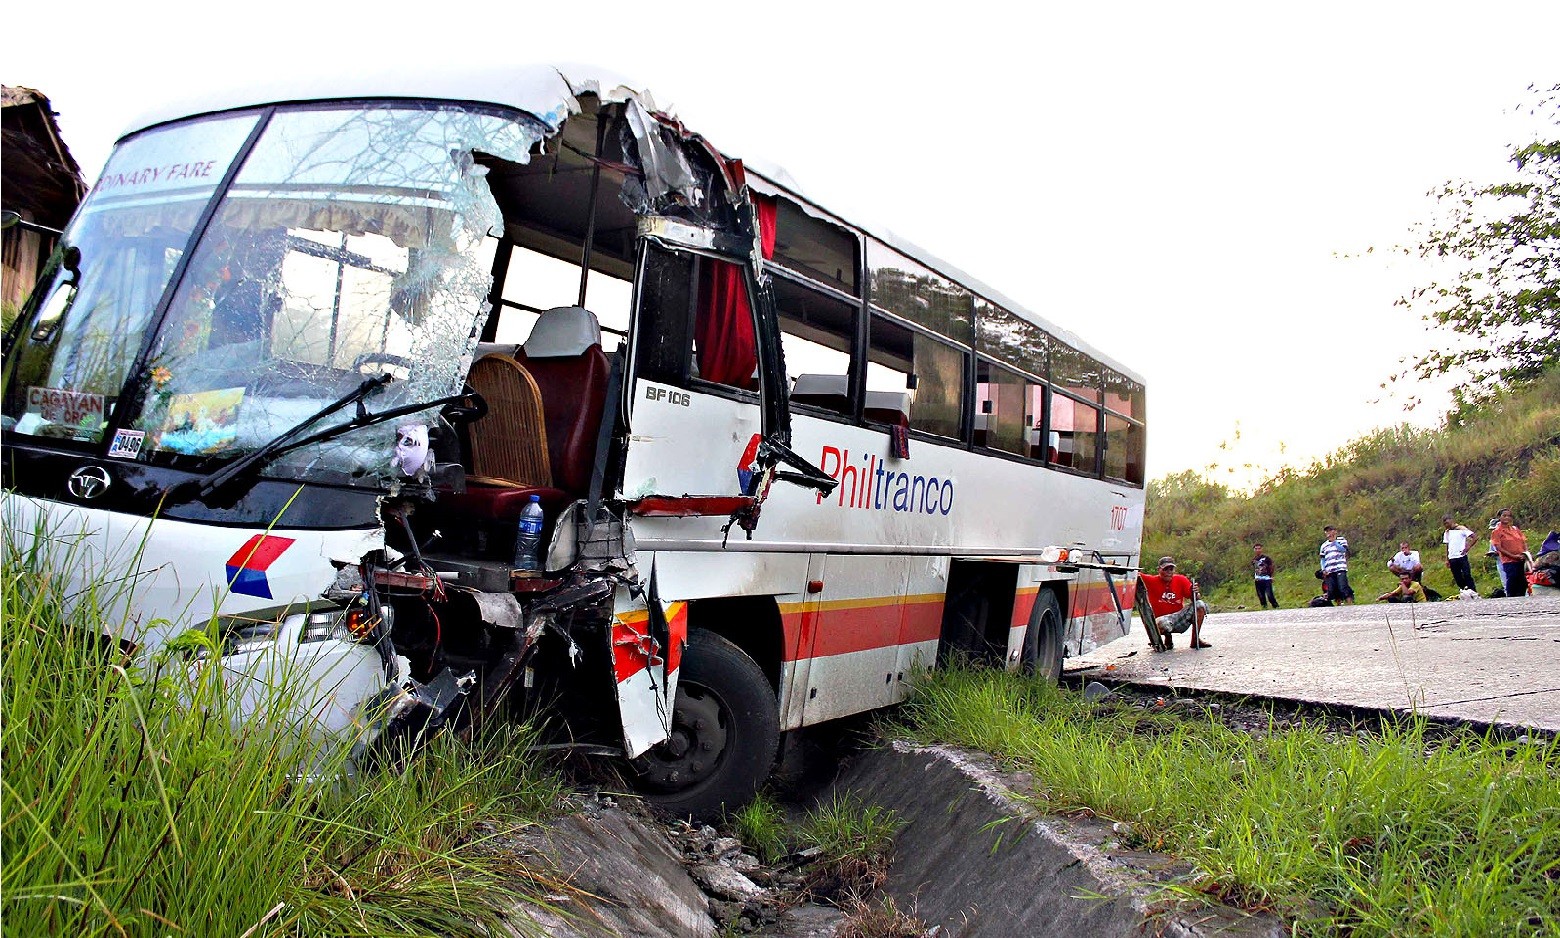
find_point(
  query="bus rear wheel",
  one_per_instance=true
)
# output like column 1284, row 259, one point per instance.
column 725, row 731
column 1042, row 655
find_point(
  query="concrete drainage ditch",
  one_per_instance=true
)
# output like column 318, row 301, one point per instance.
column 972, row 861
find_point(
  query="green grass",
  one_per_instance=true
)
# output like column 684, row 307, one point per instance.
column 134, row 805
column 1408, row 833
column 847, row 831
column 847, row 844
column 762, row 826
column 1391, row 485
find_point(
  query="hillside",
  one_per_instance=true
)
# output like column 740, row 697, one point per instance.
column 1393, row 485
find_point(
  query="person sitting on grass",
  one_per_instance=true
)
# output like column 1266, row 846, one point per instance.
column 1408, row 591
column 1176, row 603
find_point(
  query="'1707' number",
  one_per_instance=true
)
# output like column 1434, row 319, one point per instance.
column 1118, row 517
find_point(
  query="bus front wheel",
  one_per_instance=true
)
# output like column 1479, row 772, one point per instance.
column 1042, row 656
column 725, row 731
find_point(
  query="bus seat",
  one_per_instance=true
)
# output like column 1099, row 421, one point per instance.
column 508, row 453
column 827, row 391
column 890, row 407
column 564, row 355
column 509, row 444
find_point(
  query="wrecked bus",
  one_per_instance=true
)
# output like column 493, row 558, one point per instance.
column 301, row 363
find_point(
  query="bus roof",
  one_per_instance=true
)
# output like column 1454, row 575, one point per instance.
column 550, row 92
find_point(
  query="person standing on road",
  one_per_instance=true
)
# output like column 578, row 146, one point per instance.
column 1406, row 562
column 1459, row 539
column 1334, row 554
column 1510, row 545
column 1176, row 603
column 1262, row 567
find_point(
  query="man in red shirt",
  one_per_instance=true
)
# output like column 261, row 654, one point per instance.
column 1176, row 603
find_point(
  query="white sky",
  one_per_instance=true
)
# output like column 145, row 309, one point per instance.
column 1176, row 183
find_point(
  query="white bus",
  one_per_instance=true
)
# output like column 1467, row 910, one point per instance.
column 304, row 358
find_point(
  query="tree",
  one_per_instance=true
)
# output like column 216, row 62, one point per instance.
column 1503, row 240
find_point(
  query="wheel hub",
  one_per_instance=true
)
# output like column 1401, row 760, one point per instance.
column 692, row 751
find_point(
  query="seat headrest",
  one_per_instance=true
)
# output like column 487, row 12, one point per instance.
column 810, row 385
column 563, row 332
column 484, row 349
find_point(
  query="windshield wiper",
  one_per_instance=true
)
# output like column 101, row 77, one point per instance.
column 215, row 481
column 205, row 486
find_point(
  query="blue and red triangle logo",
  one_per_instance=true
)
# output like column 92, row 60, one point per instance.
column 747, row 464
column 246, row 568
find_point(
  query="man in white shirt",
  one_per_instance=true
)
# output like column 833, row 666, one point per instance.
column 1459, row 540
column 1406, row 563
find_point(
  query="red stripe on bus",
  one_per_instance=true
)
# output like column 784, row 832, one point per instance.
column 839, row 629
column 1023, row 605
column 1094, row 598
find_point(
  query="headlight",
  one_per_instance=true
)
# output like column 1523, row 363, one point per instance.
column 353, row 625
column 248, row 638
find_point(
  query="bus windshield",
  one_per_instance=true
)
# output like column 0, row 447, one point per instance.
column 351, row 241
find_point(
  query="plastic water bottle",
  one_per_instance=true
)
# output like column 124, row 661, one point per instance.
column 528, row 540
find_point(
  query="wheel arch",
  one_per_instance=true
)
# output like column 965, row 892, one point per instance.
column 752, row 623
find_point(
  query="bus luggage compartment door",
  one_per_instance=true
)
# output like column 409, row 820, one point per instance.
column 852, row 657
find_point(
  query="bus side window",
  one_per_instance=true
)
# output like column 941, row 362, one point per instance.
column 1124, row 428
column 1075, row 427
column 1003, row 415
column 665, row 320
column 817, row 336
column 1123, row 449
column 928, row 373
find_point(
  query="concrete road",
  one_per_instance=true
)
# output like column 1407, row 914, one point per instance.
column 1487, row 661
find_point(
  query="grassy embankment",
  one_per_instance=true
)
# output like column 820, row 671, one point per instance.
column 131, row 806
column 1403, row 834
column 1393, row 485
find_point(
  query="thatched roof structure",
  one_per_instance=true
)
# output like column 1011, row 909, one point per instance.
column 38, row 176
column 39, row 180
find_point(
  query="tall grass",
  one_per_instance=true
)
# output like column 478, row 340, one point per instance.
column 134, row 804
column 1405, row 833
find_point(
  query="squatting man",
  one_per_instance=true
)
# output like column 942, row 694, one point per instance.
column 1176, row 603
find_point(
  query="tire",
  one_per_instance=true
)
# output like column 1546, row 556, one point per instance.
column 1042, row 655
column 725, row 732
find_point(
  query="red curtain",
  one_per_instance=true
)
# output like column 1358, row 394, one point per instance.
column 723, row 329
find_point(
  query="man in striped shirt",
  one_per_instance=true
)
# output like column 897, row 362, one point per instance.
column 1335, row 566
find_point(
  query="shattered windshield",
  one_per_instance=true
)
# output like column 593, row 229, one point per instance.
column 351, row 243
column 124, row 244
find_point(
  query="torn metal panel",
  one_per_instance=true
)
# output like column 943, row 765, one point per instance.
column 639, row 675
column 665, row 167
column 500, row 610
